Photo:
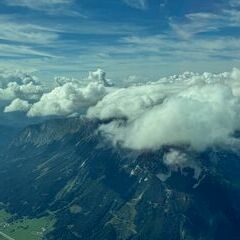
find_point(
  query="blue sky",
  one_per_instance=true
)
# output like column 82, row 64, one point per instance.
column 146, row 38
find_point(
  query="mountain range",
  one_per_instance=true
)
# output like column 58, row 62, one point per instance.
column 96, row 190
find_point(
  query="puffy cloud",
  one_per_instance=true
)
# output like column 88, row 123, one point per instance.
column 24, row 91
column 68, row 95
column 61, row 80
column 190, row 109
column 17, row 76
column 99, row 76
column 68, row 99
column 18, row 105
column 175, row 157
column 176, row 160
column 196, row 110
column 132, row 101
column 71, row 97
column 129, row 102
column 18, row 84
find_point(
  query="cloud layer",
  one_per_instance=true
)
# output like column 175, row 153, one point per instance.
column 191, row 109
column 23, row 92
column 195, row 110
column 199, row 116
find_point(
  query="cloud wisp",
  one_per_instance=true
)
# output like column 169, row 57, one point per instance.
column 138, row 4
column 12, row 31
column 205, row 22
column 47, row 6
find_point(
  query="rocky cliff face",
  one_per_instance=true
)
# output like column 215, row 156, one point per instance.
column 96, row 191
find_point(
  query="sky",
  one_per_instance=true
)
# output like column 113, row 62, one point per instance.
column 143, row 38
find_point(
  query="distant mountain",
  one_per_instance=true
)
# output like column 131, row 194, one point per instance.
column 95, row 191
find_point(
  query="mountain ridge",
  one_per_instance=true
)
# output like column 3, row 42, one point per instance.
column 65, row 167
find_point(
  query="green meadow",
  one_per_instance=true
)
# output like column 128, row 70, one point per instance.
column 25, row 229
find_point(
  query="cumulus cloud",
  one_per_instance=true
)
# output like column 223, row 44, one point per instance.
column 17, row 76
column 197, row 110
column 24, row 91
column 68, row 99
column 18, row 105
column 18, row 90
column 174, row 157
column 191, row 109
column 99, row 76
column 132, row 101
column 175, row 160
column 61, row 80
column 129, row 102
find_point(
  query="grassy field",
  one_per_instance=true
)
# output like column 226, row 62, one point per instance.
column 25, row 229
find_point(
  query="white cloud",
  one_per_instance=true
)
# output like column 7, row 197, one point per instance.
column 25, row 91
column 186, row 50
column 51, row 7
column 202, row 22
column 176, row 160
column 139, row 4
column 68, row 99
column 8, row 50
column 26, row 33
column 174, row 157
column 61, row 80
column 67, row 96
column 24, row 40
column 99, row 76
column 18, row 105
column 38, row 5
column 130, row 102
column 33, row 4
column 196, row 23
column 18, row 84
column 233, row 16
column 196, row 110
column 192, row 109
column 17, row 76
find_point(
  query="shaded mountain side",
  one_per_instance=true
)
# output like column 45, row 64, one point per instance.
column 96, row 191
column 7, row 133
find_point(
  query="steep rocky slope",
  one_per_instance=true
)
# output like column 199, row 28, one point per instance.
column 96, row 191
